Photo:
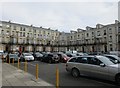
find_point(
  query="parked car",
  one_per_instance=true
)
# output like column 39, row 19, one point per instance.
column 32, row 53
column 12, row 56
column 81, row 54
column 113, row 58
column 94, row 66
column 38, row 56
column 26, row 56
column 95, row 53
column 71, row 55
column 5, row 55
column 63, row 57
column 50, row 58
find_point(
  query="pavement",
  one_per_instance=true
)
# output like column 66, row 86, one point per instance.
column 12, row 76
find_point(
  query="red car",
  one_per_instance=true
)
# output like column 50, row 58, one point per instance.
column 63, row 58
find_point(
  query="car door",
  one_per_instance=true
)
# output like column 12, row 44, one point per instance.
column 96, row 70
column 83, row 65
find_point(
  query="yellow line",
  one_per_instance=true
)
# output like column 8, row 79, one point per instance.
column 36, row 71
column 57, row 77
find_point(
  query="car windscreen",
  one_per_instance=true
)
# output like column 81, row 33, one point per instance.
column 64, row 55
column 74, row 55
column 115, row 59
column 105, row 60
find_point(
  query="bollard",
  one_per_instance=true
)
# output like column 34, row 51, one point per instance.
column 2, row 58
column 13, row 61
column 18, row 63
column 9, row 60
column 25, row 66
column 57, row 77
column 36, row 71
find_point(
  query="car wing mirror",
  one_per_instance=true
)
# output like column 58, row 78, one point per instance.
column 102, row 65
column 116, row 61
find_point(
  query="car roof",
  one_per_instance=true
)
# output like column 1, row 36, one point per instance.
column 110, row 55
column 88, row 56
column 12, row 54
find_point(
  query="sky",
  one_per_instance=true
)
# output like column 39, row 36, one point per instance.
column 64, row 16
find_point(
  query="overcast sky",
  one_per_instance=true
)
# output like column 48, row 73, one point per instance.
column 64, row 16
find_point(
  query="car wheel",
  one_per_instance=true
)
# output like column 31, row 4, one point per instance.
column 118, row 79
column 75, row 72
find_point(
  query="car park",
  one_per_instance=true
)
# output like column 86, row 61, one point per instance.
column 50, row 58
column 26, row 56
column 95, row 66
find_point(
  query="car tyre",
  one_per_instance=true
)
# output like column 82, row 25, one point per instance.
column 75, row 72
column 118, row 79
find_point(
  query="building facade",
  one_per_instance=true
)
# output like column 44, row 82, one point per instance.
column 15, row 37
column 19, row 37
column 102, row 38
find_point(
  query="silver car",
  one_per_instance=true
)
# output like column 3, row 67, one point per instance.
column 113, row 58
column 94, row 66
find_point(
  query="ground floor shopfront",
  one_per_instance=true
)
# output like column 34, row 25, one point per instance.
column 49, row 48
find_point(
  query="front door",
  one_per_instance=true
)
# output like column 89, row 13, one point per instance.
column 96, row 70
